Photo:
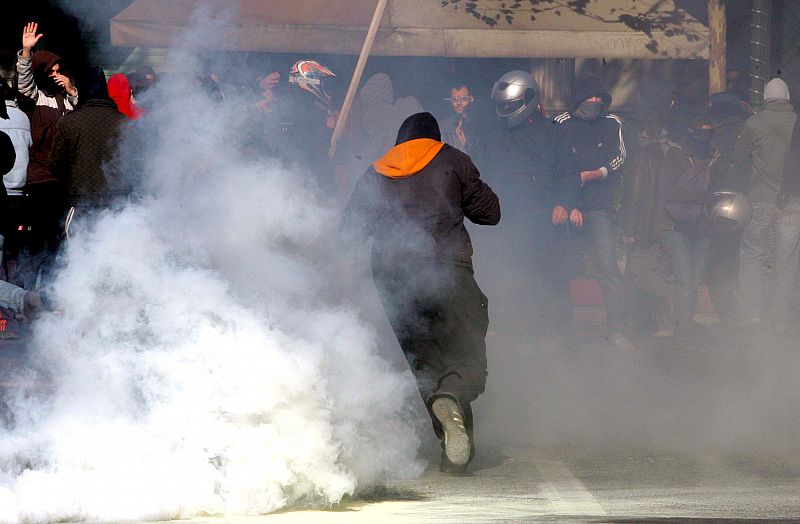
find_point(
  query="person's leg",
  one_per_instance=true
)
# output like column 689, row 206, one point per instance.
column 787, row 258
column 678, row 250
column 722, row 274
column 461, row 334
column 698, row 251
column 599, row 226
column 752, row 253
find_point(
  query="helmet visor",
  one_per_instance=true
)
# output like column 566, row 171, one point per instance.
column 510, row 107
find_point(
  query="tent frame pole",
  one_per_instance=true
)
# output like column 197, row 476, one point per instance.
column 351, row 90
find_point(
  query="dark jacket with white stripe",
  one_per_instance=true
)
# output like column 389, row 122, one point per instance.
column 585, row 145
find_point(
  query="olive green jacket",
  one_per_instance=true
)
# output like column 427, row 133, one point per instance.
column 765, row 141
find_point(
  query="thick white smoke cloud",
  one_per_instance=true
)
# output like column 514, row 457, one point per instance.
column 198, row 367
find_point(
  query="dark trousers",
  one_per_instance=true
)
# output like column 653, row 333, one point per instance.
column 687, row 256
column 440, row 318
column 722, row 274
column 44, row 209
column 599, row 227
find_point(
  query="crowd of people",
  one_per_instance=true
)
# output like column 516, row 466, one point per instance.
column 710, row 194
column 679, row 216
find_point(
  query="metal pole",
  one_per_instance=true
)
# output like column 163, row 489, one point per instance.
column 759, row 49
column 362, row 60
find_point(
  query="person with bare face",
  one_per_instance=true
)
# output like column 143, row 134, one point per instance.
column 453, row 131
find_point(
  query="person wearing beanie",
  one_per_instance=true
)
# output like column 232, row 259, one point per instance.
column 412, row 202
column 591, row 151
column 764, row 145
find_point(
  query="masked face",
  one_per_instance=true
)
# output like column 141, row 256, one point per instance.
column 699, row 141
column 590, row 108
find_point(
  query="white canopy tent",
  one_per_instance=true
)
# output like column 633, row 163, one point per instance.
column 421, row 28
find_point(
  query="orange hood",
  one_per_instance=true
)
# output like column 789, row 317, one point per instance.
column 408, row 158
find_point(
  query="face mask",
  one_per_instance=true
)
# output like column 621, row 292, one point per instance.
column 699, row 142
column 589, row 110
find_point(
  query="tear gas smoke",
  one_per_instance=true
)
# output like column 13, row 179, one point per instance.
column 197, row 367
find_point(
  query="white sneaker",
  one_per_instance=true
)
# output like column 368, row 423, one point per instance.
column 621, row 343
column 456, row 438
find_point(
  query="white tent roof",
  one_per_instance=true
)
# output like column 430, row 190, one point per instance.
column 421, row 28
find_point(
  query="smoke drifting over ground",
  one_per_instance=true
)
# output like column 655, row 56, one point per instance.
column 198, row 366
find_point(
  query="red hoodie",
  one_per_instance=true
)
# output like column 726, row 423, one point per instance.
column 119, row 89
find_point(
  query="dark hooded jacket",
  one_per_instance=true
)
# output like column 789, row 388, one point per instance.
column 50, row 103
column 520, row 163
column 413, row 200
column 85, row 143
column 585, row 145
column 641, row 200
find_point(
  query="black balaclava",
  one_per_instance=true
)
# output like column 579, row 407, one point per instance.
column 7, row 154
column 589, row 110
column 420, row 125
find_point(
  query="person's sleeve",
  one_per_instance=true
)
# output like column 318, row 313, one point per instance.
column 742, row 155
column 675, row 164
column 479, row 202
column 12, row 297
column 359, row 215
column 73, row 99
column 567, row 181
column 631, row 195
column 618, row 152
column 791, row 170
column 25, row 83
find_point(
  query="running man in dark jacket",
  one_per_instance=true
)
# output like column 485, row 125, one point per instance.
column 591, row 151
column 412, row 203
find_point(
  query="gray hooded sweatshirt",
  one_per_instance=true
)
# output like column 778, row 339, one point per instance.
column 765, row 141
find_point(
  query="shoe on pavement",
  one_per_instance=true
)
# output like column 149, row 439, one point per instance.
column 750, row 322
column 621, row 343
column 457, row 446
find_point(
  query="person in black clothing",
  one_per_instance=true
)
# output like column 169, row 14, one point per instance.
column 591, row 150
column 84, row 146
column 412, row 203
column 518, row 158
column 722, row 268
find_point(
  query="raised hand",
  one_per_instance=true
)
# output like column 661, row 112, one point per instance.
column 29, row 38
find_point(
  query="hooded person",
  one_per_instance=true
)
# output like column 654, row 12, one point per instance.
column 15, row 298
column 381, row 114
column 85, row 144
column 728, row 114
column 119, row 89
column 412, row 202
column 685, row 192
column 764, row 145
column 591, row 150
column 42, row 82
